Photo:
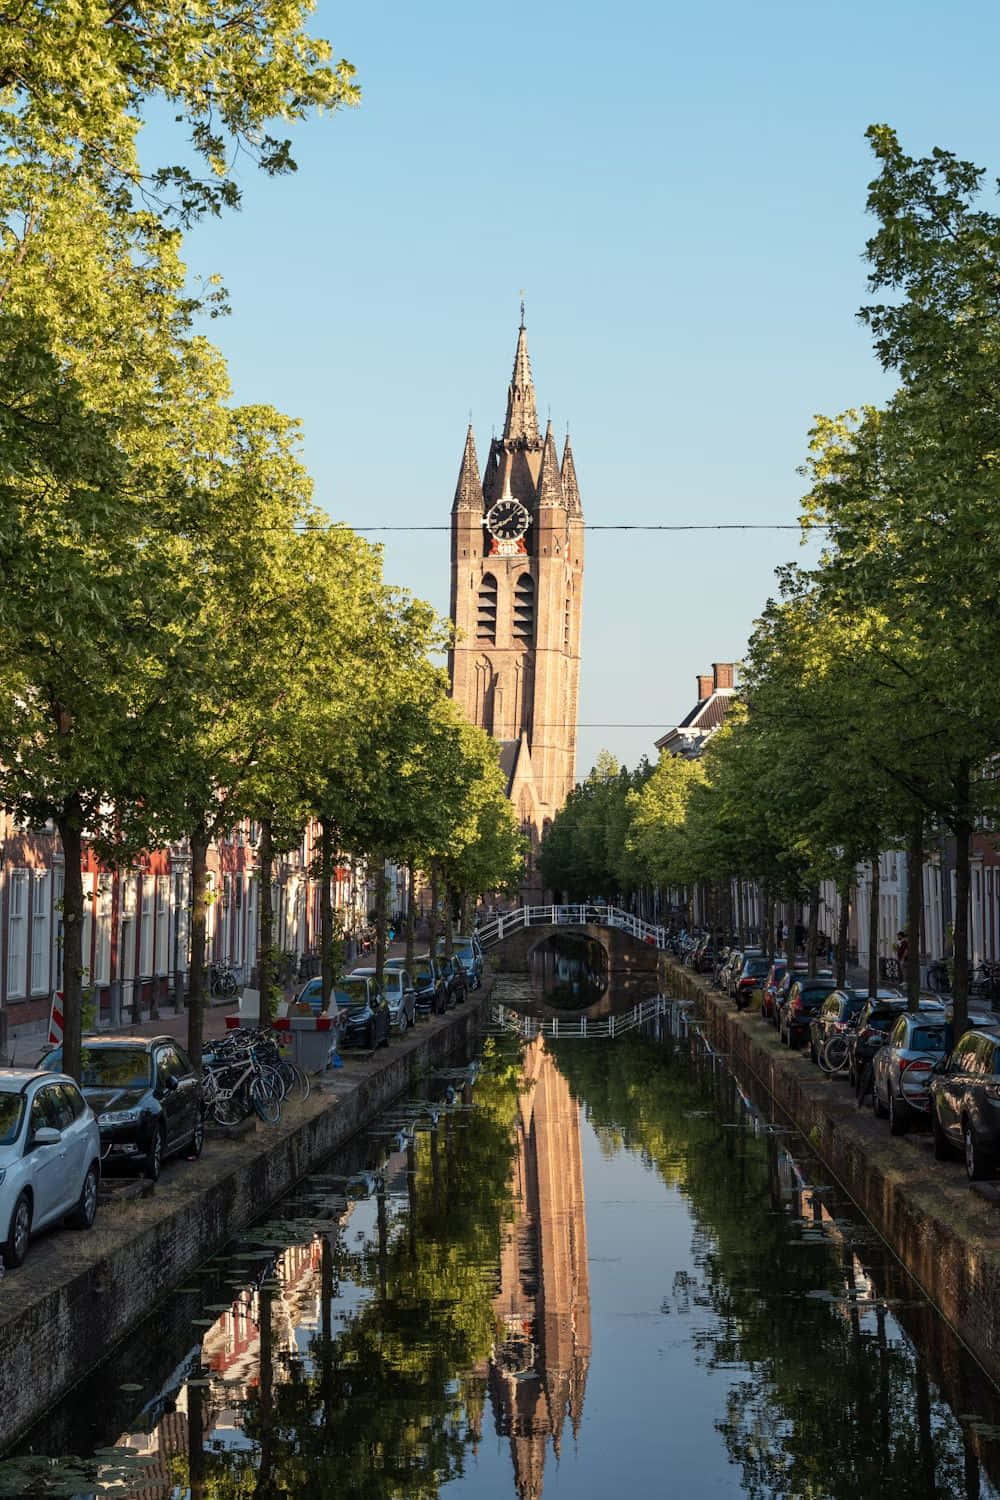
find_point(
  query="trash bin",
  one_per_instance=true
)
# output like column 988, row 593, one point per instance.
column 312, row 1038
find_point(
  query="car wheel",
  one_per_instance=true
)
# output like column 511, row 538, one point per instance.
column 977, row 1164
column 153, row 1163
column 385, row 1034
column 16, row 1245
column 198, row 1138
column 370, row 1036
column 899, row 1121
column 403, row 1022
column 85, row 1211
column 878, row 1107
column 812, row 1053
column 942, row 1145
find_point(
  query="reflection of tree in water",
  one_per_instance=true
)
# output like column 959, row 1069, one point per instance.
column 387, row 1404
column 833, row 1405
column 568, row 972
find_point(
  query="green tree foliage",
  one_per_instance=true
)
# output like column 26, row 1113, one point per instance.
column 585, row 853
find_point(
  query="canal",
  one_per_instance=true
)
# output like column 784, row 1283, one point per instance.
column 569, row 1267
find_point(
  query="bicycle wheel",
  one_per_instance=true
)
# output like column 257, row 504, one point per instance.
column 833, row 1058
column 265, row 1100
column 229, row 1108
column 296, row 1081
column 229, row 986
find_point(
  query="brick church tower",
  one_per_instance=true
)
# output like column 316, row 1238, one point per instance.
column 516, row 598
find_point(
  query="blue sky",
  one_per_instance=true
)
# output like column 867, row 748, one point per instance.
column 680, row 190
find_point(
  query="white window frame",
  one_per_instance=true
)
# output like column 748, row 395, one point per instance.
column 41, row 932
column 162, row 927
column 146, row 928
column 87, row 927
column 17, row 934
column 210, row 917
column 102, row 952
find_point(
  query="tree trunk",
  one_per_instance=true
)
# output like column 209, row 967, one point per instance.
column 963, row 837
column 873, row 927
column 914, row 907
column 198, row 841
column 812, row 932
column 70, row 823
column 843, row 923
column 265, row 950
column 380, row 920
column 326, row 908
column 411, row 918
column 432, row 920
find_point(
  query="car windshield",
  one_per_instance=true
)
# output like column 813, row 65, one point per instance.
column 755, row 967
column 423, row 974
column 11, row 1111
column 927, row 1039
column 881, row 1020
column 353, row 993
column 111, row 1067
column 392, row 981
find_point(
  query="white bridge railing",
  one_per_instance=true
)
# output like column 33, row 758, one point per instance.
column 498, row 928
column 528, row 1027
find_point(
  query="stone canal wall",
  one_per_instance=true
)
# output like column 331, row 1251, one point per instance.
column 78, row 1293
column 946, row 1234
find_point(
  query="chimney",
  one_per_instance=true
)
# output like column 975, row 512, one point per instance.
column 704, row 687
column 722, row 671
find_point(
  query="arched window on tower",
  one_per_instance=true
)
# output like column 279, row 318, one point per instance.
column 524, row 610
column 486, row 619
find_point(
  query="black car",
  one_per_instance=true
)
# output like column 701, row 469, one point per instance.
column 838, row 1012
column 965, row 1103
column 428, row 981
column 365, row 1011
column 804, row 999
column 871, row 1031
column 791, row 976
column 146, row 1095
column 456, row 984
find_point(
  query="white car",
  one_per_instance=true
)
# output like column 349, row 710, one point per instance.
column 50, row 1157
column 400, row 995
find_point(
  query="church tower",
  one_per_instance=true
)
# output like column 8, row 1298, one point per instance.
column 516, row 599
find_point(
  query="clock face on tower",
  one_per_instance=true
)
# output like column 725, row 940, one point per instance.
column 506, row 522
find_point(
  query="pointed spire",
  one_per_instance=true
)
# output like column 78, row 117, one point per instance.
column 570, row 487
column 550, row 491
column 522, row 413
column 468, row 490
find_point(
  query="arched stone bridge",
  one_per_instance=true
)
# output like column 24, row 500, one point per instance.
column 632, row 945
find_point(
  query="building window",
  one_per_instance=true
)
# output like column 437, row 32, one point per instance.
column 57, row 928
column 486, row 619
column 146, row 928
column 102, row 955
column 210, row 918
column 17, row 935
column 87, row 936
column 162, row 922
column 41, row 933
column 524, row 610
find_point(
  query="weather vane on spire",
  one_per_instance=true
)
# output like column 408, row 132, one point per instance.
column 522, row 307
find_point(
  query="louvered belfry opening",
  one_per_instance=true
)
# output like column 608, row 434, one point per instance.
column 486, row 622
column 524, row 610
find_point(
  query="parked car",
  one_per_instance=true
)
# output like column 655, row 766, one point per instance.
column 311, row 994
column 50, row 1157
column 470, row 956
column 775, row 975
column 146, row 1095
column 874, row 1023
column 903, row 1067
column 365, row 1012
column 430, row 990
column 400, row 995
column 456, row 987
column 965, row 1103
column 804, row 999
column 752, row 973
column 838, row 1012
column 792, row 976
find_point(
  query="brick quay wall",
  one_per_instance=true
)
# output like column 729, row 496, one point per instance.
column 944, row 1232
column 77, row 1294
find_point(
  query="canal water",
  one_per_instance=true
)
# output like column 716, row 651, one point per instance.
column 573, row 1268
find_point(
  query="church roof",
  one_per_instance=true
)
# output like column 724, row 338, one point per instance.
column 468, row 490
column 571, row 490
column 522, row 412
column 549, row 483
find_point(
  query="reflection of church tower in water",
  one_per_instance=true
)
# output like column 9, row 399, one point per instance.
column 538, row 1374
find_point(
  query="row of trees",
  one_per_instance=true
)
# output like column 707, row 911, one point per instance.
column 185, row 640
column 870, row 708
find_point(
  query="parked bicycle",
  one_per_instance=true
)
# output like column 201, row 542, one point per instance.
column 223, row 981
column 245, row 1073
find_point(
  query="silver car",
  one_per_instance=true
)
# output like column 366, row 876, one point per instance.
column 400, row 995
column 903, row 1066
column 50, row 1157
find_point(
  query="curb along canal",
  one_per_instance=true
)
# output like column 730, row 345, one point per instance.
column 569, row 1264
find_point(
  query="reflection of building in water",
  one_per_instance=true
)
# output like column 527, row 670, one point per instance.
column 538, row 1374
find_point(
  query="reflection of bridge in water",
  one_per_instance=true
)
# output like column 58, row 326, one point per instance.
column 538, row 1371
column 672, row 1016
